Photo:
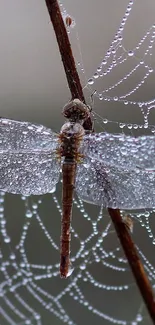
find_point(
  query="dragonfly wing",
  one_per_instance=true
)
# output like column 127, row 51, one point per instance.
column 115, row 187
column 17, row 135
column 120, row 150
column 27, row 158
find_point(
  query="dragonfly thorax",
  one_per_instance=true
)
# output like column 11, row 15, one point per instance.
column 71, row 129
column 71, row 135
column 76, row 111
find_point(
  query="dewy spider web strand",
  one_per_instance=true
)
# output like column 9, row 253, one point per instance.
column 23, row 277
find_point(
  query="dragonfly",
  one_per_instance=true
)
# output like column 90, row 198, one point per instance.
column 109, row 170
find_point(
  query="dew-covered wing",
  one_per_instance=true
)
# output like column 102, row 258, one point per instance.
column 118, row 171
column 27, row 158
column 120, row 150
column 115, row 187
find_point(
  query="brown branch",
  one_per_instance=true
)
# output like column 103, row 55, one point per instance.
column 67, row 55
column 134, row 261
column 76, row 92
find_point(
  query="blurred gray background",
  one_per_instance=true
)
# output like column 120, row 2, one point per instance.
column 33, row 88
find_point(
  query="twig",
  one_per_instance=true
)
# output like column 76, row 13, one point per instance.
column 134, row 261
column 76, row 91
column 67, row 55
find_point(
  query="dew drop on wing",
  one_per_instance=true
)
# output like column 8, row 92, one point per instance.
column 53, row 190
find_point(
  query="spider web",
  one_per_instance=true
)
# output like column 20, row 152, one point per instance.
column 124, row 76
column 31, row 291
column 101, row 288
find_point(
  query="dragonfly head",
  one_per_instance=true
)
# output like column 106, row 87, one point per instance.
column 76, row 111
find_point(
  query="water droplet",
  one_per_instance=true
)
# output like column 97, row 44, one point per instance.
column 86, row 165
column 70, row 271
column 28, row 322
column 34, row 206
column 12, row 256
column 139, row 318
column 23, row 197
column 120, row 37
column 104, row 234
column 129, row 126
column 104, row 62
column 53, row 189
column 121, row 125
column 28, row 214
column 113, row 51
column 105, row 121
column 90, row 81
column 130, row 53
column 37, row 316
column 124, row 151
column 96, row 75
column 82, row 267
column 7, row 239
column 108, row 53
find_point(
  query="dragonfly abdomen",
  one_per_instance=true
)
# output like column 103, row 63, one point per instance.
column 70, row 138
column 69, row 172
